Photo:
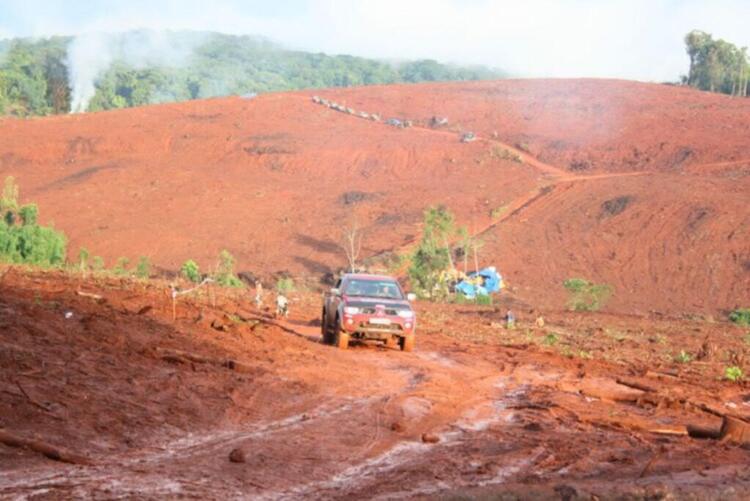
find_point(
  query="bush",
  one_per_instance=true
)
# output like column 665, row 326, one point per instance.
column 586, row 296
column 29, row 214
column 83, row 259
column 143, row 269
column 225, row 273
column 733, row 373
column 97, row 264
column 683, row 357
column 285, row 284
column 190, row 271
column 121, row 266
column 740, row 316
column 433, row 254
column 31, row 244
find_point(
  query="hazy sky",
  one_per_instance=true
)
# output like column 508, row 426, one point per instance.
column 637, row 39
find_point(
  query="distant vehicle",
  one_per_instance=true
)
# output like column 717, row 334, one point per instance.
column 368, row 307
column 468, row 137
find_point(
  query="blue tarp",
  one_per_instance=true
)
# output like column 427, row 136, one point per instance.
column 487, row 281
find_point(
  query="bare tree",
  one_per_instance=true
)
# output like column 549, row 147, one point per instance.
column 351, row 242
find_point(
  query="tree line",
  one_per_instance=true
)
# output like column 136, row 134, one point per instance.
column 716, row 65
column 34, row 74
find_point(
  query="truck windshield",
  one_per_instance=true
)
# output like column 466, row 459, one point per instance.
column 386, row 289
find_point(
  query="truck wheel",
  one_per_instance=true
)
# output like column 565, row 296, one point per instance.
column 406, row 343
column 342, row 340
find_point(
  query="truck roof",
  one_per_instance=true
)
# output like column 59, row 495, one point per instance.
column 368, row 276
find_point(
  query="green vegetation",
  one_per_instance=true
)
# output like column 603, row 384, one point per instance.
column 716, row 65
column 121, row 266
column 34, row 73
column 683, row 357
column 586, row 296
column 83, row 259
column 550, row 340
column 733, row 374
column 143, row 268
column 27, row 242
column 285, row 284
column 97, row 264
column 190, row 271
column 432, row 256
column 224, row 275
column 740, row 316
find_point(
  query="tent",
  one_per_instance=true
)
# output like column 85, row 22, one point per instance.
column 483, row 283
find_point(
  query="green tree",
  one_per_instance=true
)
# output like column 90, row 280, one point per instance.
column 225, row 271
column 143, row 268
column 191, row 271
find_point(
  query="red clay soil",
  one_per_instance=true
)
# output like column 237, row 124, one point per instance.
column 275, row 179
column 588, row 405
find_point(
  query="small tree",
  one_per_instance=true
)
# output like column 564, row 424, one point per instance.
column 432, row 256
column 121, row 266
column 352, row 244
column 29, row 214
column 143, row 269
column 83, row 259
column 97, row 264
column 191, row 271
column 9, row 198
column 225, row 272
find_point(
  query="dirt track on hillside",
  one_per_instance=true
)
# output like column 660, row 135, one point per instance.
column 473, row 409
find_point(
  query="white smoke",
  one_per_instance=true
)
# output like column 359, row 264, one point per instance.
column 91, row 54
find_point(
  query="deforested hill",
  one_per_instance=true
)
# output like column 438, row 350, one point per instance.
column 99, row 71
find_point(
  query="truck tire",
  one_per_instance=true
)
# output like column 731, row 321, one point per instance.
column 342, row 340
column 406, row 343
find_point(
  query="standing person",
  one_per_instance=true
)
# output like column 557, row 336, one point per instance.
column 258, row 294
column 510, row 320
column 282, row 305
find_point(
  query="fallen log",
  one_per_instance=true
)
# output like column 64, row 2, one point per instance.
column 43, row 448
column 635, row 384
column 185, row 357
column 91, row 295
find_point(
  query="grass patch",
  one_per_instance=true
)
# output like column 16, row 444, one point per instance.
column 683, row 357
column 285, row 284
column 585, row 295
column 733, row 374
column 740, row 316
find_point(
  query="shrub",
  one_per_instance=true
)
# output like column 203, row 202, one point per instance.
column 740, row 316
column 31, row 244
column 550, row 340
column 432, row 256
column 683, row 357
column 29, row 214
column 733, row 373
column 190, row 271
column 9, row 198
column 97, row 264
column 121, row 266
column 143, row 268
column 484, row 300
column 586, row 296
column 225, row 273
column 285, row 284
column 83, row 259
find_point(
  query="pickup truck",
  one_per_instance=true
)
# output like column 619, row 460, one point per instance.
column 368, row 308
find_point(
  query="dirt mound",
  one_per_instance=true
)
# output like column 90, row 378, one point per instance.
column 276, row 178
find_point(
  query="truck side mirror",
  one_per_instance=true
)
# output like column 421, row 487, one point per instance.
column 411, row 296
column 335, row 292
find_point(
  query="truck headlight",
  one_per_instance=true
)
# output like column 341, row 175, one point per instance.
column 351, row 310
column 405, row 313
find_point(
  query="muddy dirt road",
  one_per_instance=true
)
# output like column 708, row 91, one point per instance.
column 156, row 410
